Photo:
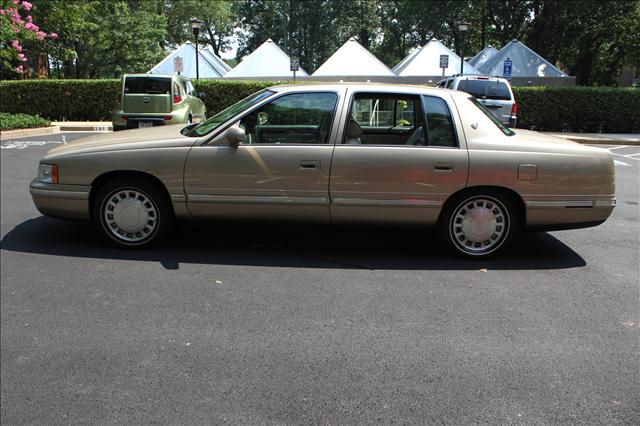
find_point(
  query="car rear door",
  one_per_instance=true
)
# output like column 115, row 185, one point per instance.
column 282, row 169
column 374, row 180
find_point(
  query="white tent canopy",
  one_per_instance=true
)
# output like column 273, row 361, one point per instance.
column 409, row 57
column 485, row 54
column 209, row 65
column 268, row 60
column 525, row 63
column 352, row 59
column 427, row 62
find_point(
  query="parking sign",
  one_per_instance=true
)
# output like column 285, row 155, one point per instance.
column 506, row 70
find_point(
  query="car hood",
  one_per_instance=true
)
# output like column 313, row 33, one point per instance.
column 156, row 137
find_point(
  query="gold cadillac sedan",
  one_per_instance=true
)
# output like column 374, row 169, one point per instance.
column 334, row 153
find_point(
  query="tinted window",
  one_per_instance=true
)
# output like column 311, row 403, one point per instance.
column 147, row 85
column 485, row 89
column 440, row 131
column 300, row 118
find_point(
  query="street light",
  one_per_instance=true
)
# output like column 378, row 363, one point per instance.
column 463, row 27
column 195, row 27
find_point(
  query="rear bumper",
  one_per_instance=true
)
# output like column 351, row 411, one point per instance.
column 65, row 201
column 568, row 214
column 156, row 119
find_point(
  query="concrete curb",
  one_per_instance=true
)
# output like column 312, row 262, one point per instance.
column 604, row 141
column 21, row 133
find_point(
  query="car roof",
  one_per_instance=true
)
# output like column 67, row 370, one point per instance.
column 369, row 87
column 140, row 74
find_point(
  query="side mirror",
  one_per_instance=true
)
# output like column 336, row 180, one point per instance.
column 201, row 95
column 234, row 135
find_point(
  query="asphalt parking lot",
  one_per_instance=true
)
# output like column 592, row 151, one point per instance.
column 251, row 324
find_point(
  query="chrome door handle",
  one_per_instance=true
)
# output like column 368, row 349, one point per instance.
column 310, row 165
column 442, row 167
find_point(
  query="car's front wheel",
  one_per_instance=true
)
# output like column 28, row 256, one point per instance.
column 132, row 214
column 478, row 224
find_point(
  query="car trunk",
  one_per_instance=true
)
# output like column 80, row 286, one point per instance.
column 147, row 95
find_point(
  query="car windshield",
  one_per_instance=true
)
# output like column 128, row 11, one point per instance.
column 485, row 89
column 493, row 118
column 224, row 115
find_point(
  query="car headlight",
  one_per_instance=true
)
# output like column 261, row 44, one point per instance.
column 48, row 173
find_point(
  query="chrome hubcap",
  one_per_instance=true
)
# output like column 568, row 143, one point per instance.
column 479, row 225
column 130, row 215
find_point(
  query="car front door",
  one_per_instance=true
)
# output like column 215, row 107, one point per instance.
column 280, row 171
column 401, row 174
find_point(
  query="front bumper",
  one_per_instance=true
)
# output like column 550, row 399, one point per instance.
column 64, row 201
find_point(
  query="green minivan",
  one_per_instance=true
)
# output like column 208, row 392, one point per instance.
column 147, row 100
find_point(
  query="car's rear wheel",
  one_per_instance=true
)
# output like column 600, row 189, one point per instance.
column 132, row 214
column 478, row 224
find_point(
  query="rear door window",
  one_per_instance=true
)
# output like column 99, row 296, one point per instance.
column 147, row 85
column 440, row 131
column 485, row 89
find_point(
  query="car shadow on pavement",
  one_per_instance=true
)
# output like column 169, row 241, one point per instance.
column 288, row 245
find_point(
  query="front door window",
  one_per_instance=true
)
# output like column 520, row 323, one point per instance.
column 297, row 118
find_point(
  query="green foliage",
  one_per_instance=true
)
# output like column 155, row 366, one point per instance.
column 100, row 38
column 21, row 121
column 578, row 109
column 220, row 21
column 17, row 31
column 60, row 99
column 573, row 109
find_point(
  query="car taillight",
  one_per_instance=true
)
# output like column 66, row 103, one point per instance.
column 118, row 98
column 514, row 109
column 125, row 117
column 177, row 99
column 167, row 117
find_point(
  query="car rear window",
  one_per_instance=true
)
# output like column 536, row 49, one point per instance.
column 485, row 89
column 147, row 85
column 507, row 131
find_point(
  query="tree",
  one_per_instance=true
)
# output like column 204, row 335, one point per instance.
column 220, row 21
column 18, row 35
column 102, row 38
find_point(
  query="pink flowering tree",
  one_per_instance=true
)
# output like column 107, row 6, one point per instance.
column 17, row 29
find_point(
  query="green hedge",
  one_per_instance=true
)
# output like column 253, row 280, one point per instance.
column 579, row 109
column 573, row 109
column 21, row 121
column 58, row 100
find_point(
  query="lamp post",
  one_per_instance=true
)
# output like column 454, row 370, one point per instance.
column 195, row 27
column 463, row 27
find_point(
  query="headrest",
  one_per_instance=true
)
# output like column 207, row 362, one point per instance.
column 354, row 128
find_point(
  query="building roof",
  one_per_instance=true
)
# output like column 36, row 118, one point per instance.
column 268, row 60
column 209, row 64
column 525, row 62
column 482, row 57
column 427, row 62
column 352, row 59
column 409, row 57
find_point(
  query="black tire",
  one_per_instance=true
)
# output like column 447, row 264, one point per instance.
column 147, row 206
column 489, row 234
